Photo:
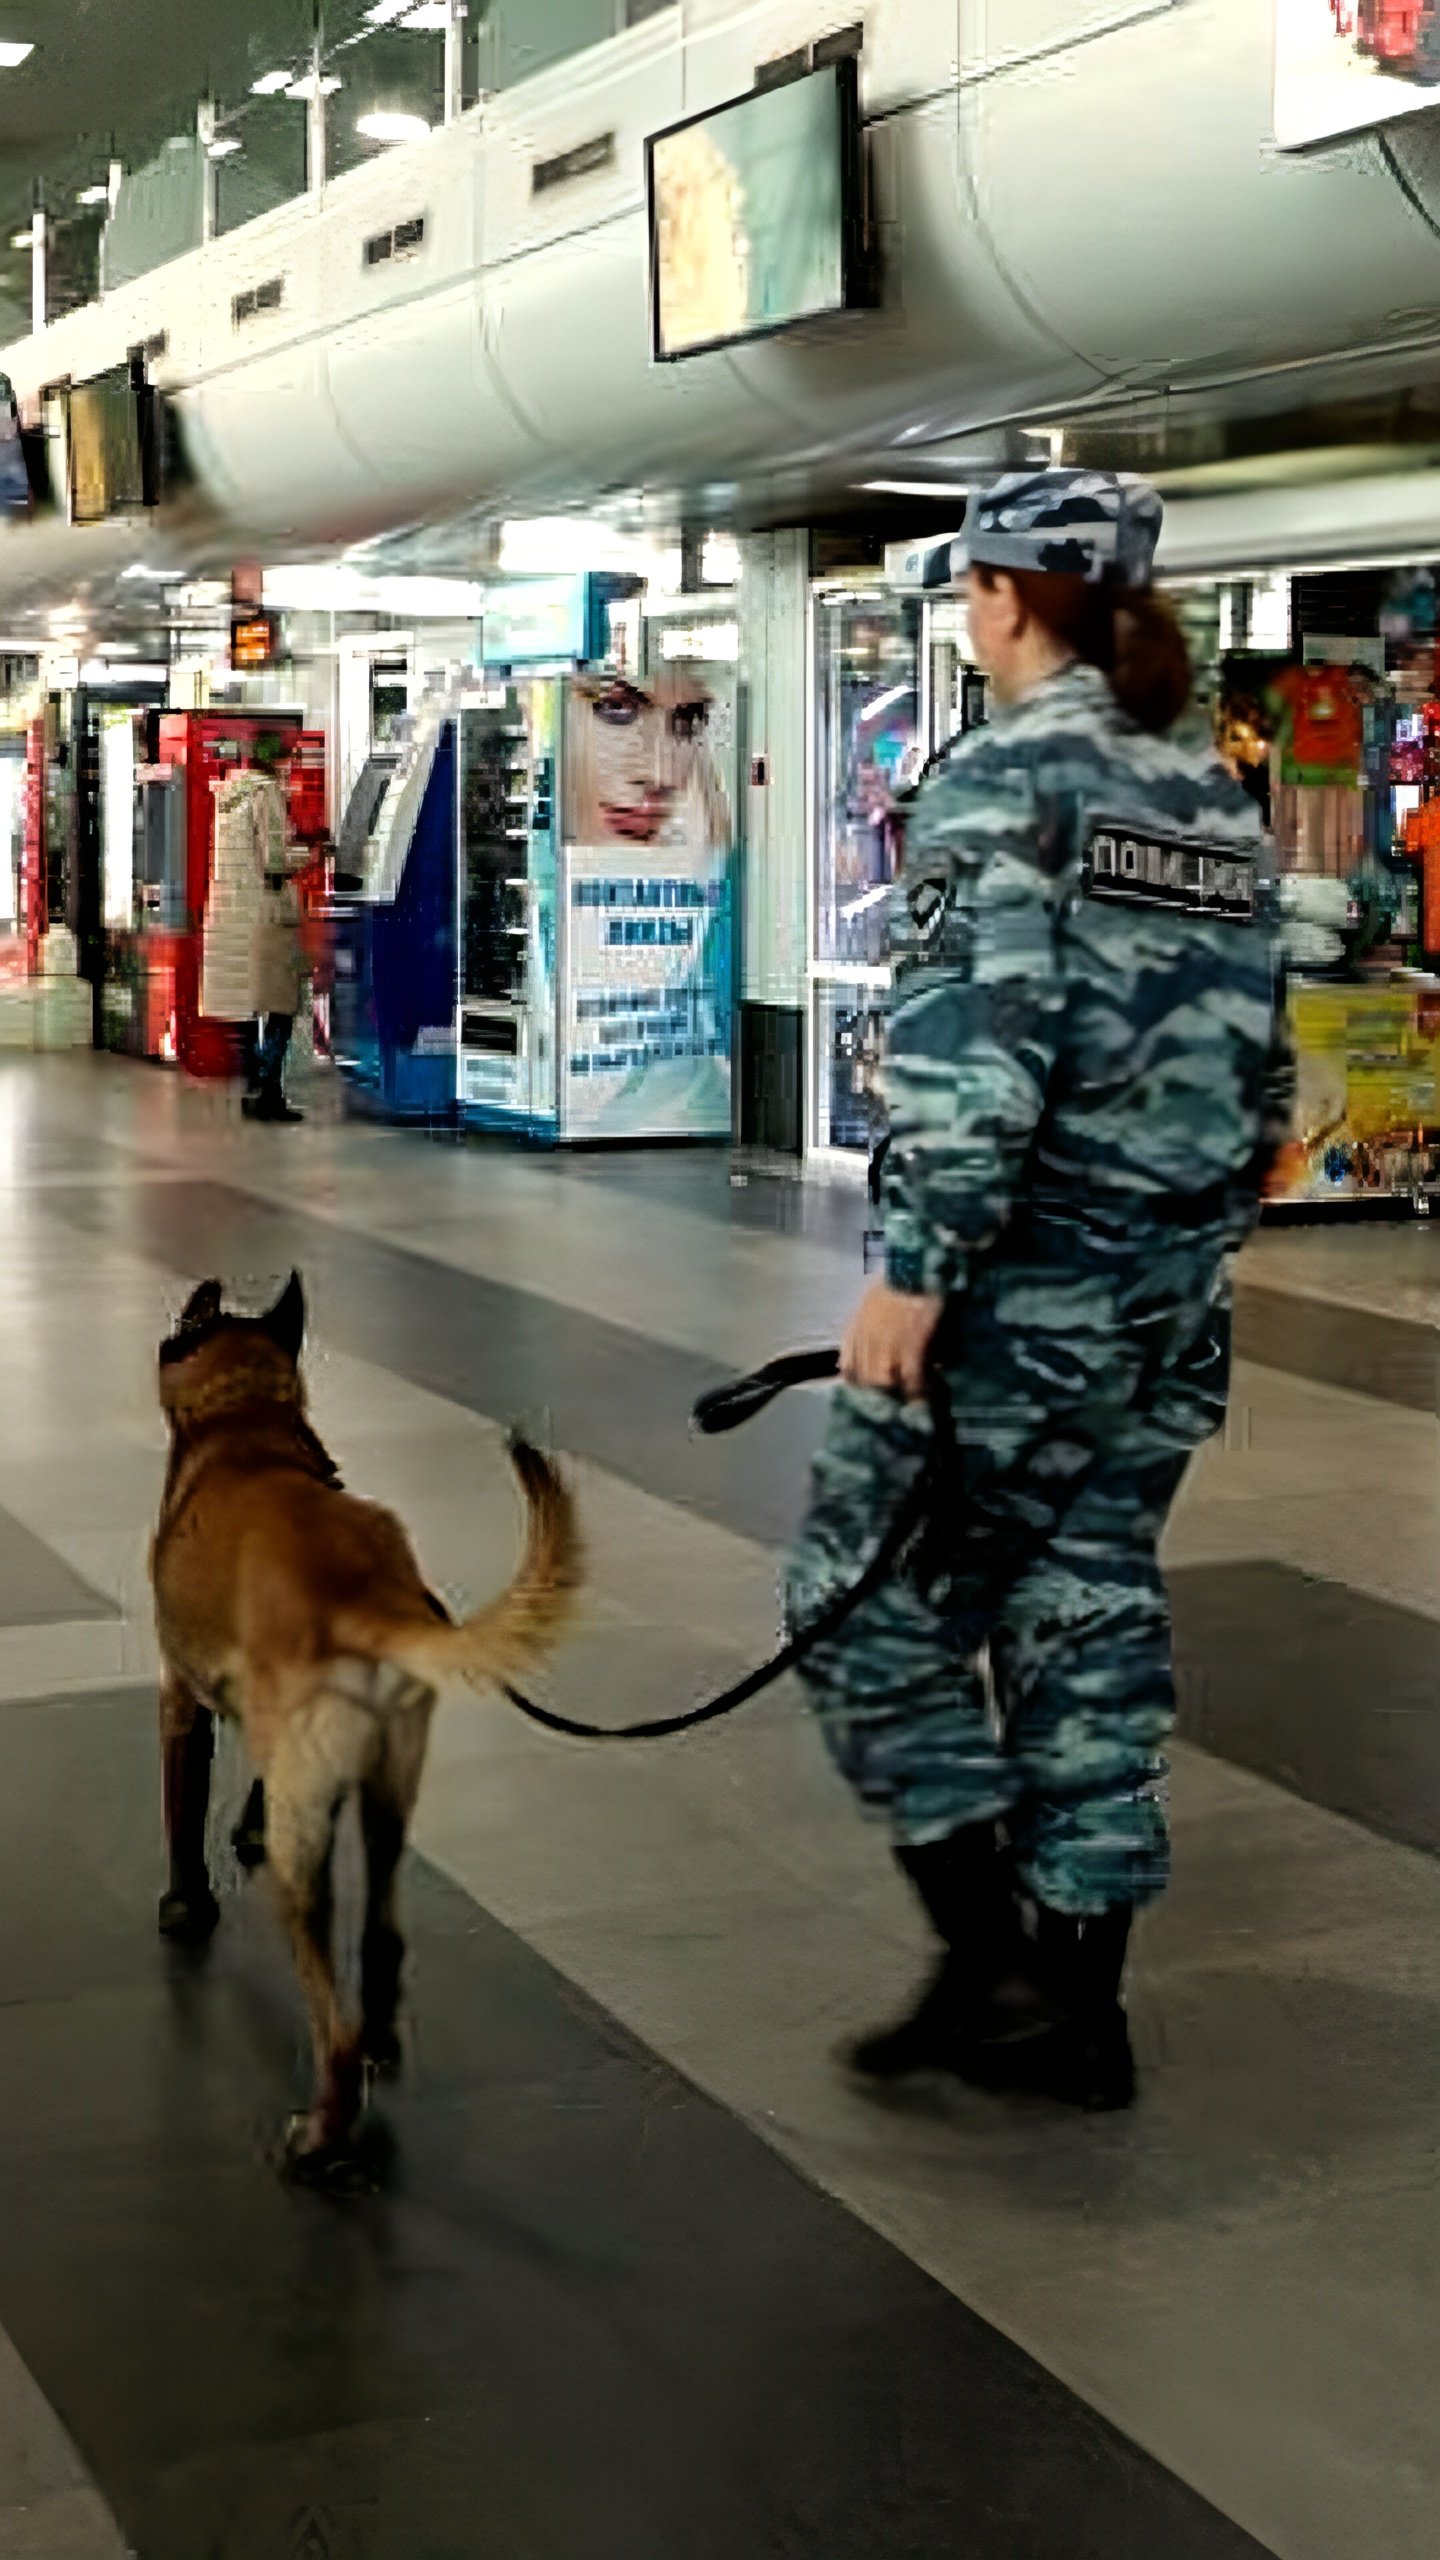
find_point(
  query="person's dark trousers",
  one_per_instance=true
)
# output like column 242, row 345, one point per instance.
column 266, row 1049
column 273, row 1051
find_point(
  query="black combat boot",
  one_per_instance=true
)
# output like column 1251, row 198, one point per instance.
column 1085, row 2060
column 984, row 1990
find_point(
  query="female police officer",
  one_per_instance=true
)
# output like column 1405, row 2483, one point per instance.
column 1085, row 1072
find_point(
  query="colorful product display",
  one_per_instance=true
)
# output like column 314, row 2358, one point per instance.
column 1368, row 1111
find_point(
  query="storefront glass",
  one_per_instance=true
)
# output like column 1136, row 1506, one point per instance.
column 869, row 687
column 1323, row 696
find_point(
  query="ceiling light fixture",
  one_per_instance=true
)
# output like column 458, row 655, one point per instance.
column 307, row 85
column 223, row 146
column 388, row 126
column 93, row 195
column 23, row 239
column 271, row 83
column 429, row 17
column 383, row 13
column 12, row 55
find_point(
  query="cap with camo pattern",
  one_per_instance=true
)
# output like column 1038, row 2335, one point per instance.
column 1097, row 525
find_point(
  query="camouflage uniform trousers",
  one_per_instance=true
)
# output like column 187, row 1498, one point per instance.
column 1019, row 1669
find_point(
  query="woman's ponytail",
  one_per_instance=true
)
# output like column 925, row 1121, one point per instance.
column 1129, row 633
column 1151, row 675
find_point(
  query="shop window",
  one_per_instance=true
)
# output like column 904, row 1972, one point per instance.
column 869, row 752
column 849, row 1026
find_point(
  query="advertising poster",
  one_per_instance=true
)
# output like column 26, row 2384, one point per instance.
column 1342, row 66
column 1368, row 1106
column 650, row 926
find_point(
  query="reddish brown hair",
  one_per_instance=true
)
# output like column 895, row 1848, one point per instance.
column 1129, row 633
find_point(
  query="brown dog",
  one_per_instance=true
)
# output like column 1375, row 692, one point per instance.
column 286, row 1603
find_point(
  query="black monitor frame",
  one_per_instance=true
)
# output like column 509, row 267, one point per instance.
column 130, row 374
column 856, row 281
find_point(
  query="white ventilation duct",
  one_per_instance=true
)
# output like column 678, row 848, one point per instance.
column 1331, row 524
column 1078, row 202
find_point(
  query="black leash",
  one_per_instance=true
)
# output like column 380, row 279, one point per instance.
column 724, row 1409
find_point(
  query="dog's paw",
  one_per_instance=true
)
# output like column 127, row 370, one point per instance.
column 311, row 2157
column 187, row 1919
column 382, row 2052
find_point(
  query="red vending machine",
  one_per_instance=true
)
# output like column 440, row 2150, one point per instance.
column 198, row 752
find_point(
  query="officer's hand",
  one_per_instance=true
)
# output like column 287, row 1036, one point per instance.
column 888, row 1345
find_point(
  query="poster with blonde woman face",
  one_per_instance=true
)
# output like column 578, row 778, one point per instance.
column 649, row 927
column 640, row 767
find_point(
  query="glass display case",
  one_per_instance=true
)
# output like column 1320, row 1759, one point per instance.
column 848, row 1026
column 870, row 746
column 507, row 901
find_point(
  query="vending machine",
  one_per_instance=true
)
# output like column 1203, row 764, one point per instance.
column 151, row 1004
column 596, row 910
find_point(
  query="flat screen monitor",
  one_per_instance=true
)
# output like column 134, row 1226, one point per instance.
column 755, row 214
column 14, row 470
column 106, row 446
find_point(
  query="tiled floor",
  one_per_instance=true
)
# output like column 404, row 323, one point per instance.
column 1241, row 2280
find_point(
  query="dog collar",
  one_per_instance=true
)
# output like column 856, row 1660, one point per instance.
column 239, row 1387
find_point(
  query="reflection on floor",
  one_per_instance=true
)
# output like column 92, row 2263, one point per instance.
column 596, row 2311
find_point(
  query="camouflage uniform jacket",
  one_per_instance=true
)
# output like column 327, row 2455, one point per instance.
column 1066, row 1042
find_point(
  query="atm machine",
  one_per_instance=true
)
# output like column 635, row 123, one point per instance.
column 393, row 926
column 151, row 997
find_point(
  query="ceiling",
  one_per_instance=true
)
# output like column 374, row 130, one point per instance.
column 121, row 76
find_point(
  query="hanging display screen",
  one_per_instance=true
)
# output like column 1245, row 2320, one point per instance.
column 14, row 471
column 106, row 448
column 755, row 214
column 1343, row 66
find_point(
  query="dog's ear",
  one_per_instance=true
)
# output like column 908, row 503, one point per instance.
column 285, row 1324
column 203, row 1306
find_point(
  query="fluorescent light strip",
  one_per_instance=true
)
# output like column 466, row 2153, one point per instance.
column 12, row 55
column 383, row 126
column 936, row 489
column 271, row 83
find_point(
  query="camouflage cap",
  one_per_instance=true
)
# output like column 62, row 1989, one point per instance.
column 1095, row 525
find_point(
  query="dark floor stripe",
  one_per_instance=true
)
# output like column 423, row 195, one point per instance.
column 591, row 2318
column 1327, row 1692
column 615, row 1398
column 1389, row 1357
column 611, row 1395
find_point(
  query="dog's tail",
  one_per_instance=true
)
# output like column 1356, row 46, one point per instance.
column 517, row 1629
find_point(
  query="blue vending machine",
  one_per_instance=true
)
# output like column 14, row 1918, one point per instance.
column 394, row 927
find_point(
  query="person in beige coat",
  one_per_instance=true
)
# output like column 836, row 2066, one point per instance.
column 279, row 973
column 249, row 843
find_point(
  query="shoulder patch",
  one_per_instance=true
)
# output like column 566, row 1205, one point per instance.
column 1141, row 867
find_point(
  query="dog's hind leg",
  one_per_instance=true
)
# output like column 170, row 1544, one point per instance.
column 188, row 1910
column 322, row 1754
column 387, row 1801
column 248, row 1837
